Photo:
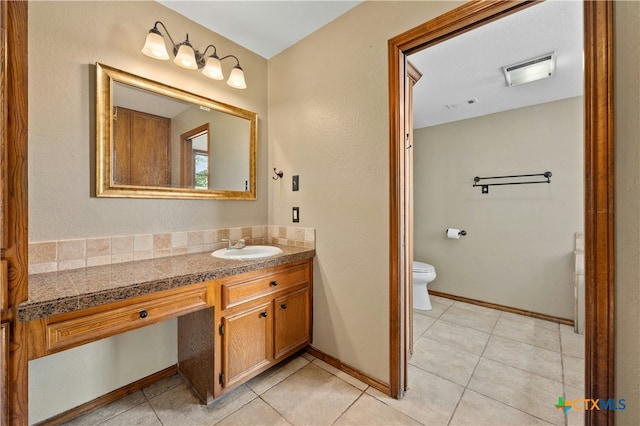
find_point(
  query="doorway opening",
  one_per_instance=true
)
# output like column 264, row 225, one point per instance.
column 598, row 170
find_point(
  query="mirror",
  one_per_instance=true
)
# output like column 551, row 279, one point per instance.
column 156, row 141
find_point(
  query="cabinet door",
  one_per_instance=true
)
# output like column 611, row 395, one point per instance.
column 292, row 322
column 246, row 343
column 4, row 374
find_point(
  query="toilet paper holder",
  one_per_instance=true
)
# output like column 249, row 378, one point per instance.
column 461, row 232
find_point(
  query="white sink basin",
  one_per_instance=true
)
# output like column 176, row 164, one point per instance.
column 248, row 252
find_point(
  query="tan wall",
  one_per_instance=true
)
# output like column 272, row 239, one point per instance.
column 519, row 246
column 627, row 146
column 328, row 122
column 65, row 39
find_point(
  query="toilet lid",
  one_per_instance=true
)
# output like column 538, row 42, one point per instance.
column 422, row 267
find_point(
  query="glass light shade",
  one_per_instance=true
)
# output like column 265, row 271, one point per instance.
column 213, row 69
column 236, row 78
column 186, row 58
column 154, row 46
column 532, row 70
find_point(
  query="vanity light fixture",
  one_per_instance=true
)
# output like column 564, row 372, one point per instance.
column 530, row 70
column 188, row 57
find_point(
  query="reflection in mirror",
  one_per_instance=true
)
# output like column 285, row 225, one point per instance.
column 161, row 142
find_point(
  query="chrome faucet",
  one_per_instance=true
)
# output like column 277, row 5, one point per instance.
column 238, row 245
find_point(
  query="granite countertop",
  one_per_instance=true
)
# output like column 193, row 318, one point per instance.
column 67, row 291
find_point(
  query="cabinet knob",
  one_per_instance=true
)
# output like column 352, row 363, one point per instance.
column 274, row 283
column 283, row 306
column 264, row 315
column 144, row 314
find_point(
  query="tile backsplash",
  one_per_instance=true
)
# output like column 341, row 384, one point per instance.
column 50, row 256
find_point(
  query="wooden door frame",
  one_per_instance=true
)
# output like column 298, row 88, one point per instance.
column 599, row 182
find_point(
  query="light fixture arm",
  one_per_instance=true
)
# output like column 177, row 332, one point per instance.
column 156, row 30
column 234, row 57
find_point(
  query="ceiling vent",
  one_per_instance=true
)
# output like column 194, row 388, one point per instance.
column 530, row 70
column 462, row 104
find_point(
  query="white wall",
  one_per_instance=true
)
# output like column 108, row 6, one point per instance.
column 519, row 246
column 65, row 39
column 328, row 122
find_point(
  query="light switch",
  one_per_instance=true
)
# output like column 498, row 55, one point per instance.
column 296, row 183
column 296, row 214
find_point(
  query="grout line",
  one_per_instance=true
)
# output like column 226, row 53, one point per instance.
column 347, row 409
column 564, row 385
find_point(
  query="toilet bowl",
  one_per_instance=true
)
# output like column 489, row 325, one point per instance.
column 423, row 273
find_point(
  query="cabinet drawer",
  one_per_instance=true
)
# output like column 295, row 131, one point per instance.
column 233, row 294
column 94, row 326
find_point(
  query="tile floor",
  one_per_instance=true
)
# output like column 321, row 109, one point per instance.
column 471, row 366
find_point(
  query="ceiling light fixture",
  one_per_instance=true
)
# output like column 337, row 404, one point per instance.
column 530, row 70
column 188, row 57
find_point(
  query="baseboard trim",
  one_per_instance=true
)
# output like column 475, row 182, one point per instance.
column 363, row 377
column 110, row 397
column 503, row 308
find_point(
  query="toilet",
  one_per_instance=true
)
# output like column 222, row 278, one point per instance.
column 423, row 273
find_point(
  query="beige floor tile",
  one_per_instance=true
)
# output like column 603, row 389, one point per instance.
column 528, row 330
column 276, row 374
column 572, row 343
column 142, row 414
column 437, row 309
column 421, row 323
column 308, row 356
column 430, row 399
column 441, row 300
column 574, row 417
column 179, row 406
column 367, row 410
column 102, row 414
column 162, row 386
column 481, row 321
column 573, row 371
column 476, row 409
column 341, row 375
column 525, row 320
column 257, row 412
column 444, row 360
column 520, row 389
column 477, row 308
column 536, row 360
column 465, row 338
column 311, row 396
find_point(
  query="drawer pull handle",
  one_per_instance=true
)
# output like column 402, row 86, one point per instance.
column 144, row 314
column 274, row 283
column 263, row 315
column 283, row 306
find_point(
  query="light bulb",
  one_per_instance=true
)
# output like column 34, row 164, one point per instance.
column 236, row 78
column 186, row 58
column 213, row 69
column 154, row 46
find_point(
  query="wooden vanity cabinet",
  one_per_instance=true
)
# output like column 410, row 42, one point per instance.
column 247, row 338
column 292, row 320
column 261, row 318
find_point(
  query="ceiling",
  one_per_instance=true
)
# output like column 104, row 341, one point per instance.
column 455, row 71
column 265, row 27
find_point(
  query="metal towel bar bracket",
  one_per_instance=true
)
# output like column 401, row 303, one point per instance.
column 485, row 186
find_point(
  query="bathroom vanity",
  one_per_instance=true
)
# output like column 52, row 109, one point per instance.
column 236, row 318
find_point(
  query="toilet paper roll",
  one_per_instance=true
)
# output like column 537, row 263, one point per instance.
column 453, row 233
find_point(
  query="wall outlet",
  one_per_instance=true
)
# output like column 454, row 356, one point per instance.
column 295, row 214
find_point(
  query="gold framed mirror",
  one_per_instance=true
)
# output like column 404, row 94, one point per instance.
column 157, row 141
